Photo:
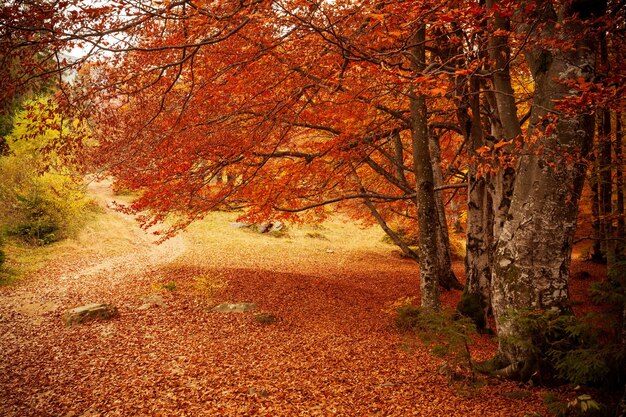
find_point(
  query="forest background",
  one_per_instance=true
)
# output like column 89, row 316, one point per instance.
column 485, row 116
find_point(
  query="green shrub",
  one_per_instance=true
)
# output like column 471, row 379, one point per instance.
column 39, row 222
column 555, row 404
column 583, row 405
column 472, row 306
column 570, row 349
column 43, row 195
column 408, row 317
column 446, row 334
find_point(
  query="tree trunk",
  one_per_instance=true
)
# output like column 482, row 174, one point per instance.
column 389, row 231
column 426, row 206
column 532, row 258
column 476, row 299
column 508, row 127
column 606, row 167
column 594, row 184
column 620, row 231
column 448, row 279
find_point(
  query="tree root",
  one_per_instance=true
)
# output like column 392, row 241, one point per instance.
column 501, row 367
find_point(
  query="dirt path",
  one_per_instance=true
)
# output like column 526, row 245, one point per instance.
column 72, row 279
column 144, row 251
column 332, row 351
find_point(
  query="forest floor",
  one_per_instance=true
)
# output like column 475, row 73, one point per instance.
column 332, row 351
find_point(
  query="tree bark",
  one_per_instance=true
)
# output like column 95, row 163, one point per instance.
column 532, row 258
column 389, row 231
column 424, row 183
column 594, row 184
column 620, row 231
column 606, row 167
column 508, row 126
column 447, row 279
column 480, row 217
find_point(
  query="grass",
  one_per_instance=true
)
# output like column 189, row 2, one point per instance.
column 101, row 234
column 343, row 239
column 24, row 259
column 106, row 234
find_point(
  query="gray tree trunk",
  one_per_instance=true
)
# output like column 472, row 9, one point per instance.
column 532, row 258
column 508, row 126
column 476, row 301
column 620, row 231
column 448, row 279
column 606, row 167
column 594, row 185
column 426, row 206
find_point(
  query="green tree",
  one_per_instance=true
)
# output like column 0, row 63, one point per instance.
column 42, row 191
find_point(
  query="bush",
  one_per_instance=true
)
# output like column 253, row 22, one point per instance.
column 43, row 196
column 408, row 317
column 447, row 334
column 472, row 306
column 570, row 349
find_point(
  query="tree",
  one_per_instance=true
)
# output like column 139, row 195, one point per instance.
column 352, row 120
column 531, row 264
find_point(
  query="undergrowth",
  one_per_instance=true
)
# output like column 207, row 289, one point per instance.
column 209, row 286
column 447, row 334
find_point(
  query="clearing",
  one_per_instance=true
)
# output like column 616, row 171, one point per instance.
column 332, row 351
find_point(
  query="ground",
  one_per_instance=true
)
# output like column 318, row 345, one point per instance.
column 332, row 351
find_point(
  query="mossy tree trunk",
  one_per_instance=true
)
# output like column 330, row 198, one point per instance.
column 532, row 257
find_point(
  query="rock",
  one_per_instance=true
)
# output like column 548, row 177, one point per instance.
column 152, row 300
column 234, row 307
column 271, row 227
column 89, row 312
column 265, row 318
column 276, row 226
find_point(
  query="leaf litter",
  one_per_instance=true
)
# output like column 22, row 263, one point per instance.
column 331, row 351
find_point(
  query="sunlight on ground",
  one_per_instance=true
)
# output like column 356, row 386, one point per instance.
column 304, row 245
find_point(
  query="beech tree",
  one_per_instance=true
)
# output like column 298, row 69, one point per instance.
column 533, row 251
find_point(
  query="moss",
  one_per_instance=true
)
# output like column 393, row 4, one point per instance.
column 472, row 305
column 509, row 277
column 408, row 317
